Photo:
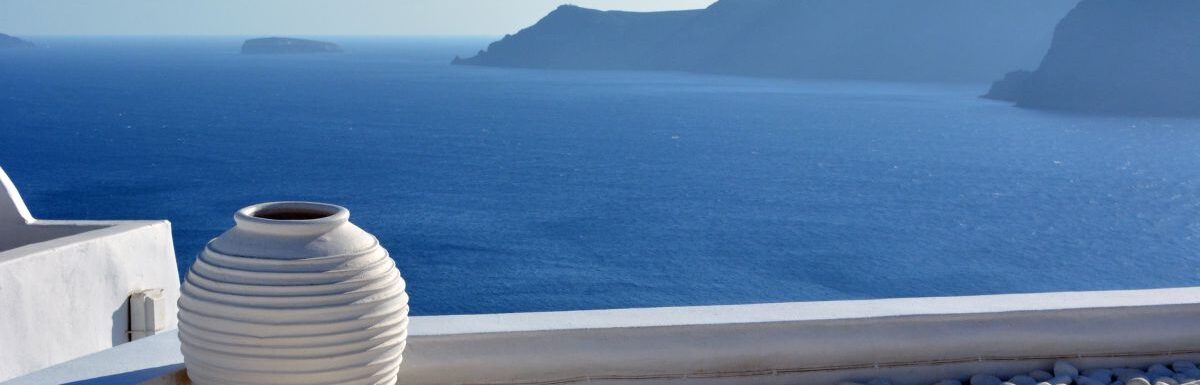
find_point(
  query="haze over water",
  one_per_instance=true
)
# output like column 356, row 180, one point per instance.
column 515, row 190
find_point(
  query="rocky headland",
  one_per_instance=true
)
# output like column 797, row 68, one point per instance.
column 1125, row 57
column 7, row 41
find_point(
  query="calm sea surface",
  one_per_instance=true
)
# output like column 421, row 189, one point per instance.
column 504, row 190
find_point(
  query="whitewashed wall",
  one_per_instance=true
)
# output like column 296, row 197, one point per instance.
column 64, row 285
column 910, row 341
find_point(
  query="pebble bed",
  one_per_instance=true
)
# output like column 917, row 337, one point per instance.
column 1064, row 373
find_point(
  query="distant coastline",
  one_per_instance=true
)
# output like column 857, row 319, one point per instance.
column 9, row 41
column 965, row 41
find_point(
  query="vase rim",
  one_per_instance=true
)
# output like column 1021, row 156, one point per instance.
column 294, row 215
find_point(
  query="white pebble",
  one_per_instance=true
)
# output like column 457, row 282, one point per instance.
column 1041, row 375
column 984, row 379
column 1102, row 375
column 1183, row 366
column 1023, row 380
column 1159, row 369
column 1065, row 373
column 1129, row 374
column 1062, row 380
column 1063, row 368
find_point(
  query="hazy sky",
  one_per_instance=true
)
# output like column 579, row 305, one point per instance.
column 292, row 17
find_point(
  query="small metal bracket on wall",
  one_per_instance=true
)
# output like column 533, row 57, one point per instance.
column 146, row 316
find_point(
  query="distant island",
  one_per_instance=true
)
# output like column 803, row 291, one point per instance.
column 286, row 45
column 7, row 41
column 1117, row 56
column 912, row 40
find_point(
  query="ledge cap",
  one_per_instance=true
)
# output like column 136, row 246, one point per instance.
column 12, row 207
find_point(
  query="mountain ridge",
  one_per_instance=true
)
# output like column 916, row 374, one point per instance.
column 918, row 40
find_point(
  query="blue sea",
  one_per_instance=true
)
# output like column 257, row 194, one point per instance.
column 509, row 190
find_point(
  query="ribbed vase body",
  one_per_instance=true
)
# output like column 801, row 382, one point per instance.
column 294, row 294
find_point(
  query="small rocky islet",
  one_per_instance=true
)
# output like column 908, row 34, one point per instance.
column 287, row 45
column 1065, row 373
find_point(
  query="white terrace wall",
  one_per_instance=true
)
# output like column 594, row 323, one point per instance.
column 912, row 341
column 64, row 285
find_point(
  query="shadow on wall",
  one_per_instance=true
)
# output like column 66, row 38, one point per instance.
column 120, row 324
column 144, row 376
column 27, row 234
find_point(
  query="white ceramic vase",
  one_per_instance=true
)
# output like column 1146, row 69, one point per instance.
column 293, row 294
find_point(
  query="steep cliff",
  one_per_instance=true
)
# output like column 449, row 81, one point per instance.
column 1011, row 87
column 922, row 40
column 1121, row 56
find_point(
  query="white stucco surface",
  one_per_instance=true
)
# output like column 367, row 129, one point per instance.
column 132, row 363
column 804, row 311
column 64, row 285
column 910, row 341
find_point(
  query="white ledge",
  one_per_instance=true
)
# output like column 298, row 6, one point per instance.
column 909, row 340
column 800, row 311
column 145, row 360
